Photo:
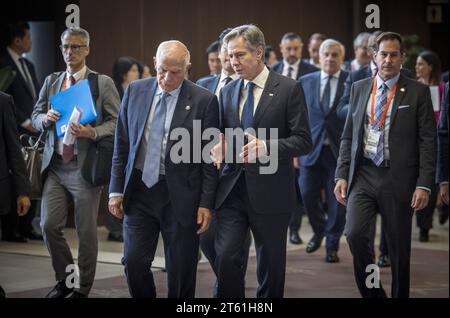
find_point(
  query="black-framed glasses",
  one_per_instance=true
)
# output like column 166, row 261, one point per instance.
column 75, row 48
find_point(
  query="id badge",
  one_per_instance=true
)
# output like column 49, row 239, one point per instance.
column 372, row 141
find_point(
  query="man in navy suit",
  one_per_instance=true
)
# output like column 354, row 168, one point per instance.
column 323, row 90
column 248, row 196
column 149, row 188
column 292, row 64
column 442, row 167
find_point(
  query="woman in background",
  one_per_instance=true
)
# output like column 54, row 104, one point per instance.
column 125, row 70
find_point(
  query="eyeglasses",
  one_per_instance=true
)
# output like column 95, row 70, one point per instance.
column 75, row 48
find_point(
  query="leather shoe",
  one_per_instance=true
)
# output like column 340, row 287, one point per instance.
column 76, row 294
column 423, row 235
column 15, row 237
column 59, row 291
column 115, row 237
column 383, row 261
column 35, row 236
column 314, row 243
column 332, row 257
column 294, row 238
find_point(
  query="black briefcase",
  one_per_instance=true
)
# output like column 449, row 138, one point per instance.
column 97, row 166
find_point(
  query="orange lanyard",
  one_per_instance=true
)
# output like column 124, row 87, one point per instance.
column 383, row 116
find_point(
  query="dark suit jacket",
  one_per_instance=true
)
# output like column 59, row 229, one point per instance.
column 13, row 173
column 210, row 82
column 19, row 89
column 442, row 166
column 191, row 185
column 412, row 137
column 303, row 68
column 282, row 106
column 323, row 125
column 362, row 73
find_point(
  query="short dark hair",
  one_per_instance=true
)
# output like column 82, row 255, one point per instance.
column 267, row 51
column 121, row 68
column 212, row 48
column 17, row 30
column 385, row 36
column 317, row 36
column 291, row 36
column 222, row 36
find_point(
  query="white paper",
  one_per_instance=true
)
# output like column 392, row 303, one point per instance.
column 75, row 118
column 434, row 90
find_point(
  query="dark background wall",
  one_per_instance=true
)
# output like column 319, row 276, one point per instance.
column 136, row 27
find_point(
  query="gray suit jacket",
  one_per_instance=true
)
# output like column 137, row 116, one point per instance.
column 412, row 137
column 107, row 107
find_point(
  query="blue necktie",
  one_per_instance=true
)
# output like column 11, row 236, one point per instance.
column 378, row 112
column 150, row 173
column 247, row 111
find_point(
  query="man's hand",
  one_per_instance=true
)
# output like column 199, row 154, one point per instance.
column 31, row 129
column 443, row 189
column 23, row 205
column 420, row 199
column 51, row 118
column 218, row 152
column 340, row 191
column 296, row 163
column 81, row 131
column 204, row 218
column 115, row 206
column 253, row 150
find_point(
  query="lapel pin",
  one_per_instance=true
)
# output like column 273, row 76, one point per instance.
column 270, row 94
column 402, row 90
column 188, row 107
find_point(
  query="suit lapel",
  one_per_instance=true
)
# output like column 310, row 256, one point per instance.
column 214, row 84
column 148, row 93
column 317, row 92
column 361, row 111
column 236, row 99
column 181, row 112
column 19, row 74
column 399, row 94
column 339, row 90
column 266, row 97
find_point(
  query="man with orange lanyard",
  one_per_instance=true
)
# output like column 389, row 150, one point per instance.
column 386, row 163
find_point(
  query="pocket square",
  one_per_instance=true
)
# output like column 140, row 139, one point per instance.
column 403, row 107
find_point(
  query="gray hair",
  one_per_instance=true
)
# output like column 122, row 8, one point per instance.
column 76, row 32
column 331, row 42
column 165, row 49
column 361, row 40
column 252, row 35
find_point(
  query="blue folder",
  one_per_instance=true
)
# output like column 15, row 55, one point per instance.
column 78, row 95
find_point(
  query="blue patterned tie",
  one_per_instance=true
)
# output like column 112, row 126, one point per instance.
column 150, row 173
column 247, row 111
column 379, row 105
column 326, row 96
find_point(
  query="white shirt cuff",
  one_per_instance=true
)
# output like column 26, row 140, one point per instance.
column 115, row 194
column 424, row 188
column 26, row 123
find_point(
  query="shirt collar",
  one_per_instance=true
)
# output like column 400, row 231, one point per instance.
column 390, row 83
column 174, row 93
column 261, row 79
column 324, row 75
column 78, row 75
column 13, row 54
column 223, row 76
column 295, row 65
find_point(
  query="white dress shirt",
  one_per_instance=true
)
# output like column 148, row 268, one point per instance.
column 294, row 66
column 222, row 81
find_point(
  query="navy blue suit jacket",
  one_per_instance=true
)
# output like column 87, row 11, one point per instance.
column 303, row 69
column 282, row 106
column 442, row 166
column 322, row 124
column 210, row 82
column 191, row 185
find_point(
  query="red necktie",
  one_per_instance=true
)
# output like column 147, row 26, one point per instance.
column 68, row 150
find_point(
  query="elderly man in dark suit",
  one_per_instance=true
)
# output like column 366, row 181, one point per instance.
column 149, row 188
column 323, row 90
column 386, row 163
column 12, row 166
column 247, row 197
column 62, row 165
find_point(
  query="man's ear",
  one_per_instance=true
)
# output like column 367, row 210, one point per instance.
column 188, row 67
column 154, row 62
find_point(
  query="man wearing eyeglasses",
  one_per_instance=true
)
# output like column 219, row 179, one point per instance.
column 61, row 167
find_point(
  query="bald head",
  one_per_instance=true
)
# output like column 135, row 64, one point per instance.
column 172, row 62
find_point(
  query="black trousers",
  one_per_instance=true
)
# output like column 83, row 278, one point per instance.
column 147, row 213
column 373, row 192
column 234, row 219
